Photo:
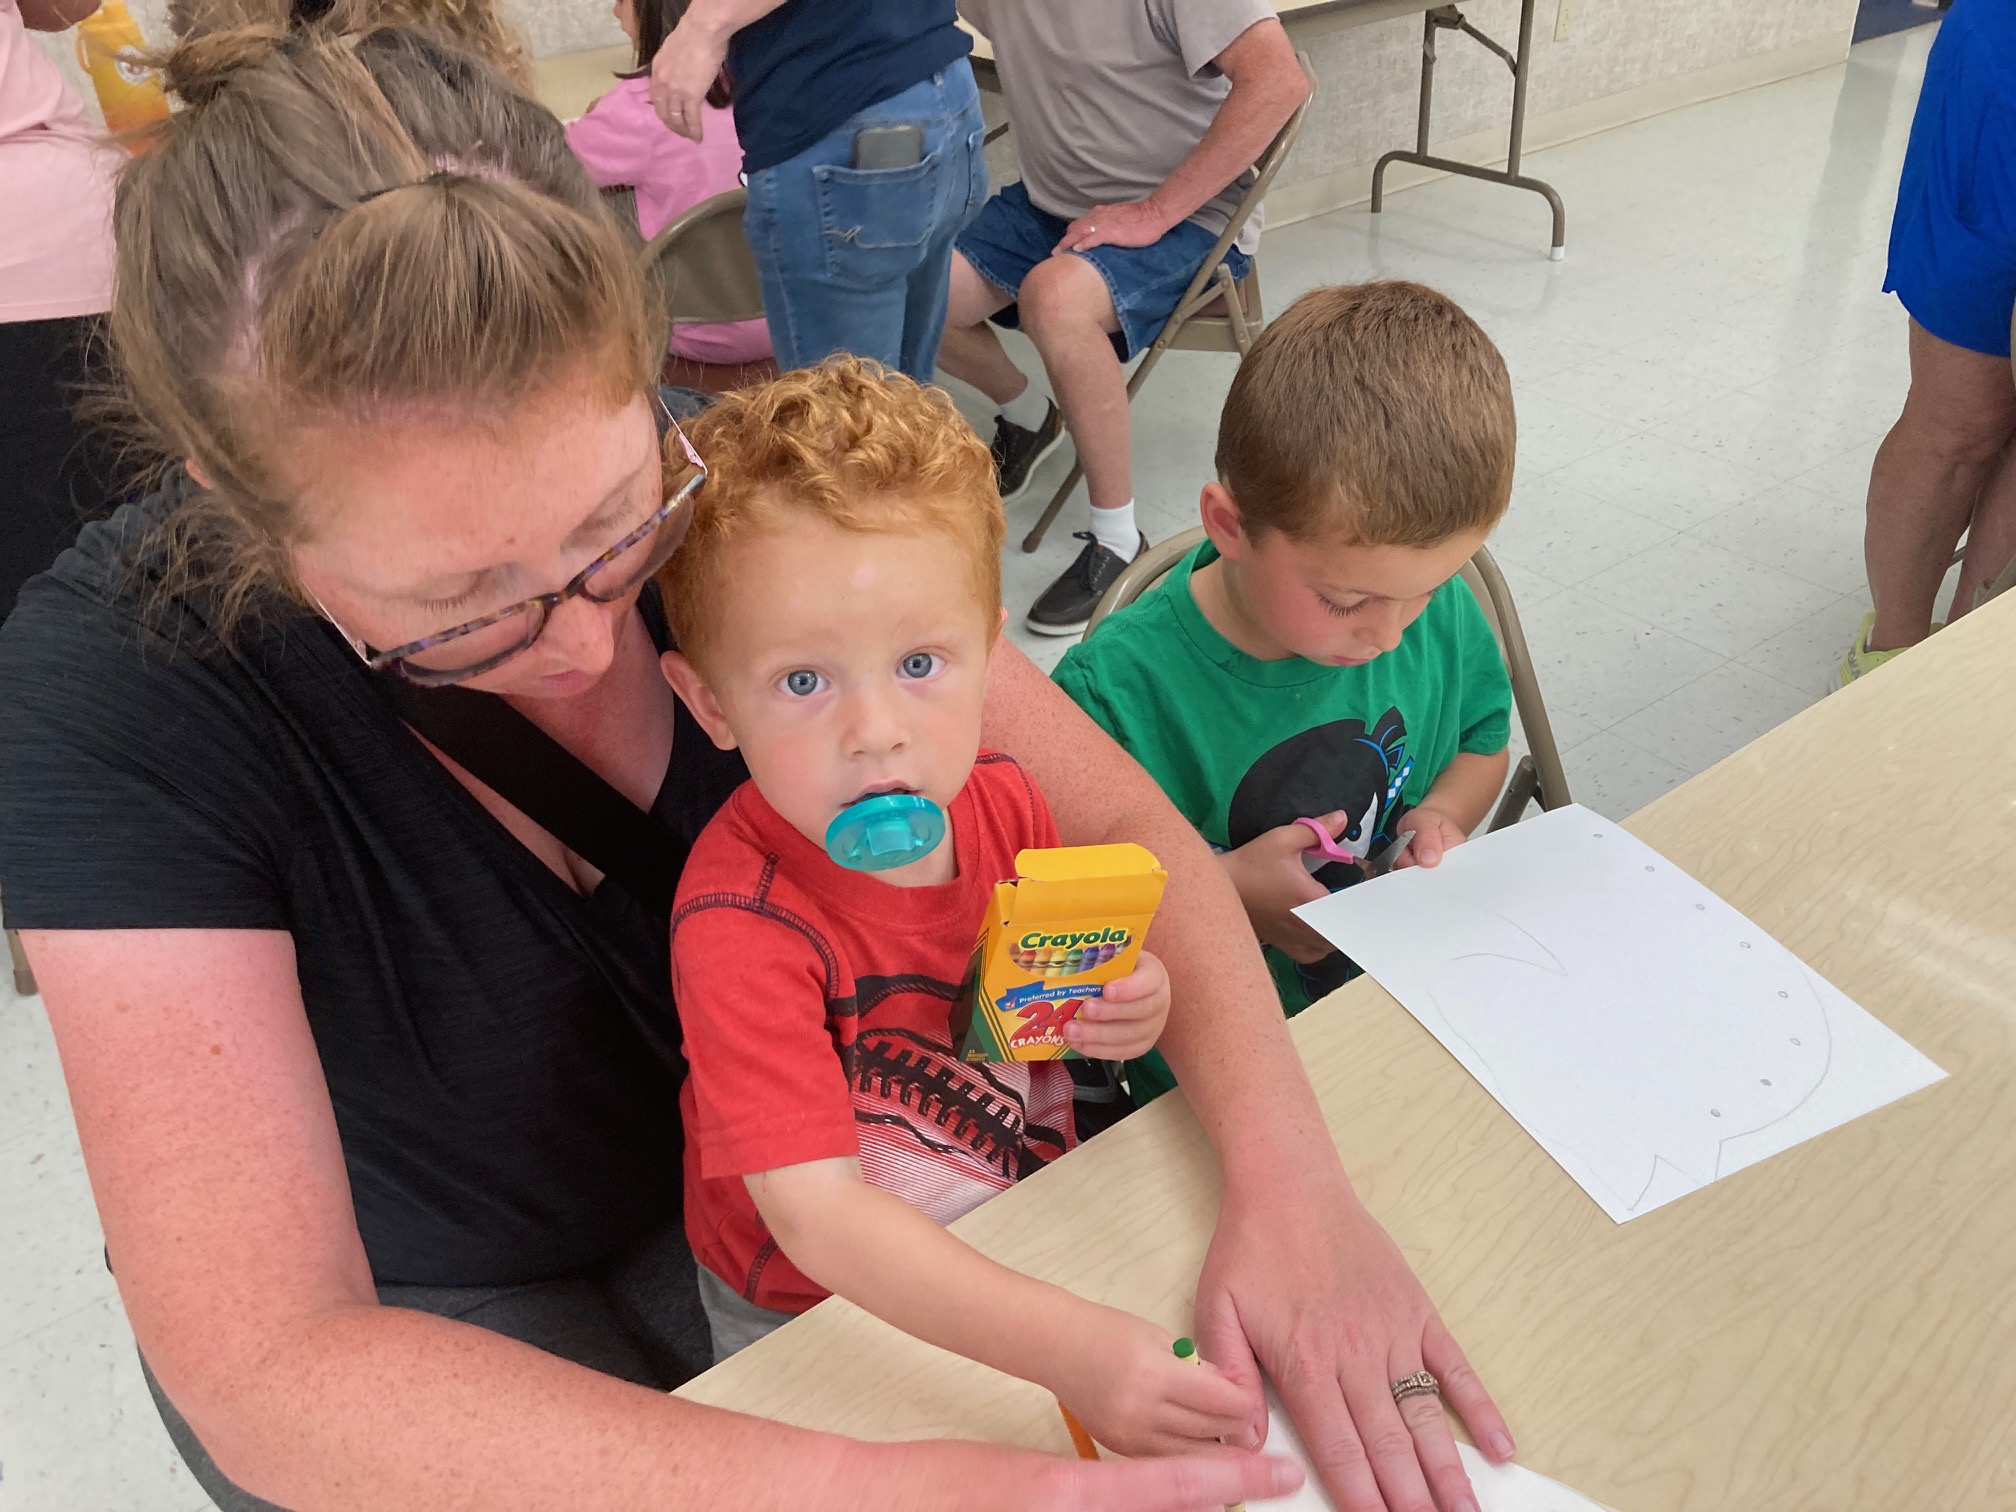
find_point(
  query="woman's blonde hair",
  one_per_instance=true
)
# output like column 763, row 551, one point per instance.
column 338, row 227
column 847, row 442
column 474, row 26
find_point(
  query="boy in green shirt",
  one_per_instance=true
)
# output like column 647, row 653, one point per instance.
column 1315, row 659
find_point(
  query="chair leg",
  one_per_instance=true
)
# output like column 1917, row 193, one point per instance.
column 1035, row 537
column 24, row 979
column 1520, row 791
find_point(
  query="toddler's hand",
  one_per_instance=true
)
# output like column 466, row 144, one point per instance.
column 1135, row 1397
column 1434, row 833
column 1126, row 1019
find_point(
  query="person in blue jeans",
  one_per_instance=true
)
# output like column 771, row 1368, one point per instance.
column 1137, row 123
column 852, row 257
column 1948, row 465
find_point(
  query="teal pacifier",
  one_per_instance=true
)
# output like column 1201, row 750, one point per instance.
column 889, row 829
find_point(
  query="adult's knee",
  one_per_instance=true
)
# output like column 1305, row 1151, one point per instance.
column 1063, row 296
column 1959, row 434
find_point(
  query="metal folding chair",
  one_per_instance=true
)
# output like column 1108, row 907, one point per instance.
column 1538, row 775
column 1215, row 314
column 699, row 269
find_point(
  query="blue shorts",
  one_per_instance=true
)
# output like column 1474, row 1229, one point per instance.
column 1010, row 236
column 1953, row 239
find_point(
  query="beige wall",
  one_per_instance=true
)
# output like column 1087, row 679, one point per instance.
column 1618, row 59
column 1657, row 52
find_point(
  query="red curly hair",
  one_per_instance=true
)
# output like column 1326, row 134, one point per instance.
column 848, row 442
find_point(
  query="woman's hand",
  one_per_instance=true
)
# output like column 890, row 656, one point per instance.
column 1309, row 1283
column 688, row 63
column 1126, row 1019
column 986, row 1478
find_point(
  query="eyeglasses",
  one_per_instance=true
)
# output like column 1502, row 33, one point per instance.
column 482, row 645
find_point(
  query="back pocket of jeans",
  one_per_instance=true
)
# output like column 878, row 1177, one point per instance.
column 874, row 222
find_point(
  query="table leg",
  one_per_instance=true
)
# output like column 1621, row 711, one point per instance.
column 1449, row 18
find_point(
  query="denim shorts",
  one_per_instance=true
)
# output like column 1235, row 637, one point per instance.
column 860, row 259
column 1010, row 236
column 1953, row 239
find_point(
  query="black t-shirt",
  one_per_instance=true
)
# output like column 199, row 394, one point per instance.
column 806, row 67
column 501, row 1051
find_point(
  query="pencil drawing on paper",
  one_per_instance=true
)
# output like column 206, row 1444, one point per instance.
column 1664, row 1076
column 1651, row 1037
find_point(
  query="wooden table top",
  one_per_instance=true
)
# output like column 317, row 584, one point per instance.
column 1833, row 1328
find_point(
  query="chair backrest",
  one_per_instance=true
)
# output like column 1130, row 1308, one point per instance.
column 699, row 269
column 1147, row 569
column 1485, row 582
column 1191, row 327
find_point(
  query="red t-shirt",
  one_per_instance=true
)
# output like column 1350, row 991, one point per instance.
column 817, row 1005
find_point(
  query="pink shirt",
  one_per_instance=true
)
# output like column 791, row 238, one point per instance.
column 622, row 141
column 56, row 185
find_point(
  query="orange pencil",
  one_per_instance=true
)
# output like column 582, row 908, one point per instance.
column 1080, row 1439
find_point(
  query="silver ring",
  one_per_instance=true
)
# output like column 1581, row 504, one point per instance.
column 1421, row 1383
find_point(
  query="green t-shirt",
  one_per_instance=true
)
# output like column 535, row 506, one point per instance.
column 1242, row 746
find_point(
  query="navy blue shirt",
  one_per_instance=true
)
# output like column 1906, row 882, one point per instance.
column 802, row 70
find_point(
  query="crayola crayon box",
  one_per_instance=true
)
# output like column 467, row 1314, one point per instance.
column 1070, row 922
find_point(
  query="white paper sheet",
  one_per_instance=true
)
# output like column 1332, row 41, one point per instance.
column 1499, row 1488
column 1648, row 1035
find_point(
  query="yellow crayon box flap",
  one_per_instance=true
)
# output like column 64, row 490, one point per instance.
column 1087, row 879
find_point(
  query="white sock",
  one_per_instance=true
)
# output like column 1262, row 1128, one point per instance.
column 1028, row 409
column 1115, row 530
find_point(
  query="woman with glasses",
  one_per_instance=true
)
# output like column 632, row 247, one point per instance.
column 339, row 798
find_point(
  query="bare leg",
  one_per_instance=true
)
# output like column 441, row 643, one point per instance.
column 971, row 352
column 1068, row 313
column 1991, row 534
column 1929, row 472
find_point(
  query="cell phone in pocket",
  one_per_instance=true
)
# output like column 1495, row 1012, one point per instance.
column 888, row 146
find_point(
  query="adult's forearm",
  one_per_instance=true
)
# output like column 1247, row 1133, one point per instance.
column 1254, row 111
column 1225, row 1039
column 723, row 18
column 374, row 1407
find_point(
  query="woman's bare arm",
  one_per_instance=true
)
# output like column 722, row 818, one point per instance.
column 1225, row 1036
column 213, row 1154
column 1300, row 1279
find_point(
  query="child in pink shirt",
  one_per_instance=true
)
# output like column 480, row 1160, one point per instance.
column 621, row 141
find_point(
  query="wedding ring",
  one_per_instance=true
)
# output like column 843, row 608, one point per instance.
column 1421, row 1383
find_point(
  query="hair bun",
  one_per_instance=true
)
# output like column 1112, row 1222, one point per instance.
column 194, row 69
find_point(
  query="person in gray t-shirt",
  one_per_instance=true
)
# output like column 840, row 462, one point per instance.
column 1137, row 123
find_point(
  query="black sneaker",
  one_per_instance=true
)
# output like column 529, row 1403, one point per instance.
column 1068, row 603
column 1018, row 451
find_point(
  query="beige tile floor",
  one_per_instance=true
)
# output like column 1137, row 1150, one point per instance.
column 1701, row 386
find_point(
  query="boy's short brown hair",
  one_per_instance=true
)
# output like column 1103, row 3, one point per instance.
column 848, row 442
column 1376, row 412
